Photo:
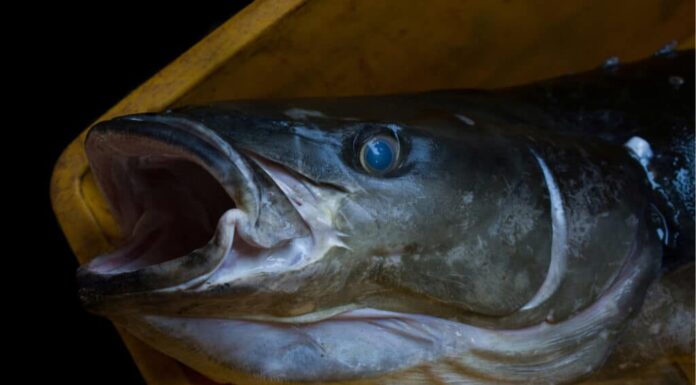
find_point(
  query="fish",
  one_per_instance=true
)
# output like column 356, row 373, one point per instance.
column 442, row 237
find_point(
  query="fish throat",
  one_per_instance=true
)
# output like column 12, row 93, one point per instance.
column 166, row 205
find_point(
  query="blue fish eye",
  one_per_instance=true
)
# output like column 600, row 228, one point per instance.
column 378, row 155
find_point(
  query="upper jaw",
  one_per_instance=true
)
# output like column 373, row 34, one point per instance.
column 185, row 201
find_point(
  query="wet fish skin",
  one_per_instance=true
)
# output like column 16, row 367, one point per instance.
column 652, row 101
column 515, row 216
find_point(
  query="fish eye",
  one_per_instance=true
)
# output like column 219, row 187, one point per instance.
column 379, row 154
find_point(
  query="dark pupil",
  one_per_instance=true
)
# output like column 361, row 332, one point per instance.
column 378, row 155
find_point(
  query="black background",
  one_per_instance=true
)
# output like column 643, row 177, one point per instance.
column 72, row 63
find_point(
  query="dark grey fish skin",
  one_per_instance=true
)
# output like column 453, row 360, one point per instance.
column 654, row 100
column 507, row 212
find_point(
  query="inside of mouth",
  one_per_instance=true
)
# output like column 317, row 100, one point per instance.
column 166, row 203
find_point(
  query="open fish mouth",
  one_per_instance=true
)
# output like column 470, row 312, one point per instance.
column 187, row 203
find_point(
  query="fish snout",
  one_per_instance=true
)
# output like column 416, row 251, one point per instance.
column 181, row 197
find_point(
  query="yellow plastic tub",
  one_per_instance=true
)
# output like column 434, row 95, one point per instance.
column 289, row 48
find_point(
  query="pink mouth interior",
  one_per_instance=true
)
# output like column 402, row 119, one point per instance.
column 166, row 204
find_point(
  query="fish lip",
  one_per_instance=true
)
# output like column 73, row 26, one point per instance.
column 196, row 144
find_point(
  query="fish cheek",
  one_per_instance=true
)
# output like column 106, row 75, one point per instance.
column 481, row 252
column 381, row 222
column 477, row 277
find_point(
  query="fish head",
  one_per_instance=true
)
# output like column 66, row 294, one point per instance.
column 295, row 190
column 282, row 240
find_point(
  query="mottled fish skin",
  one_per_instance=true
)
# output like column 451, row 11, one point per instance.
column 652, row 100
column 512, row 242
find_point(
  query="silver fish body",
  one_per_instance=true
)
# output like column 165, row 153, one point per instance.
column 445, row 237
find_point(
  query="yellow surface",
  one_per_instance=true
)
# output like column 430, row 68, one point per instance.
column 286, row 48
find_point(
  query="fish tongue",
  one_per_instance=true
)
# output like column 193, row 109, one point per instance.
column 147, row 235
column 129, row 271
column 156, row 238
column 152, row 250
